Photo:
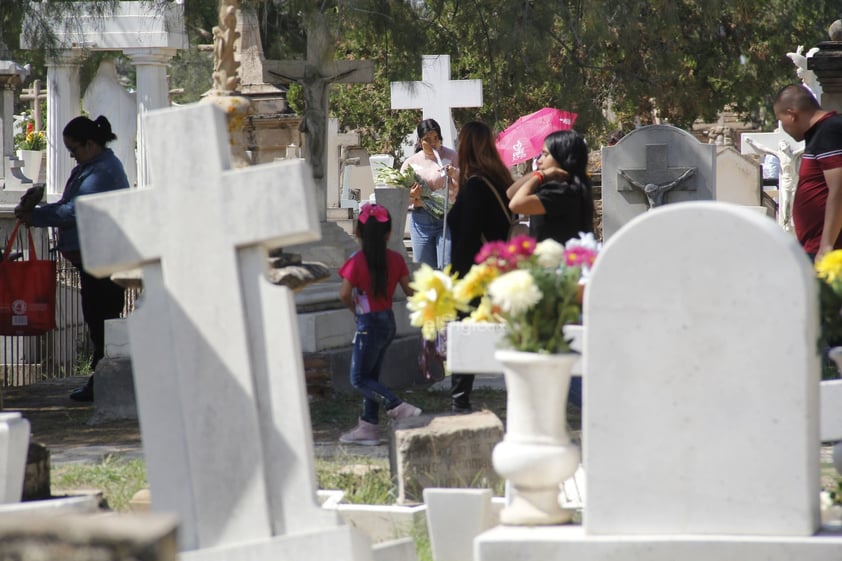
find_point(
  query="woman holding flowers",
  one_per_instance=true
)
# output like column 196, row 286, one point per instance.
column 369, row 280
column 558, row 196
column 433, row 164
column 479, row 215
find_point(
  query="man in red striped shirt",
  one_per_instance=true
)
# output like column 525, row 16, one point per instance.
column 817, row 207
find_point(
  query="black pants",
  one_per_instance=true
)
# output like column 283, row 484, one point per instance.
column 460, row 389
column 101, row 300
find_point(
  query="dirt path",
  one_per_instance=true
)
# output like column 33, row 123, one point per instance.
column 58, row 422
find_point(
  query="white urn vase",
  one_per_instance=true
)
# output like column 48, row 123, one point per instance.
column 536, row 454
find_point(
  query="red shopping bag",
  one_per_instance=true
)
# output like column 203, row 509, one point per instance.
column 27, row 292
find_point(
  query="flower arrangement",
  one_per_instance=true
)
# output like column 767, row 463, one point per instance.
column 433, row 200
column 534, row 288
column 829, row 273
column 30, row 139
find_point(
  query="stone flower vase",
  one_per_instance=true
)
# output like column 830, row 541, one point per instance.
column 396, row 200
column 835, row 353
column 536, row 454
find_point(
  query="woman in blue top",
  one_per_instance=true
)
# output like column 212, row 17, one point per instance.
column 98, row 171
column 369, row 280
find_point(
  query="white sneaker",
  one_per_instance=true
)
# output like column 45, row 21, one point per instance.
column 365, row 434
column 403, row 411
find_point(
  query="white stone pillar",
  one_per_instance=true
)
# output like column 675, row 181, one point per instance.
column 7, row 102
column 63, row 104
column 152, row 93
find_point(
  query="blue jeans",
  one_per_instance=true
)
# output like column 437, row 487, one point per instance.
column 427, row 235
column 375, row 332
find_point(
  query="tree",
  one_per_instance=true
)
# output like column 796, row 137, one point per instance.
column 686, row 60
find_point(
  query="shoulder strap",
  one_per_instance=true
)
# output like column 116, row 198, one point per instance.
column 503, row 206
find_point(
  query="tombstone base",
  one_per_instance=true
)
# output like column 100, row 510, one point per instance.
column 337, row 544
column 36, row 481
column 332, row 250
column 560, row 543
column 114, row 397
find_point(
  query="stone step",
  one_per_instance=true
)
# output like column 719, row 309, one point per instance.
column 336, row 214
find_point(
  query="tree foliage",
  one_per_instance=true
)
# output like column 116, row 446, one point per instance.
column 684, row 59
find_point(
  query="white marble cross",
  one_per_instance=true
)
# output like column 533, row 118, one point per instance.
column 436, row 94
column 215, row 347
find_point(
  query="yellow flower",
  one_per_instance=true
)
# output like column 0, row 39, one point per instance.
column 475, row 282
column 829, row 267
column 484, row 313
column 432, row 305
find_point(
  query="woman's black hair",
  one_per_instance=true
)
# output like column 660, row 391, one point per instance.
column 82, row 129
column 570, row 150
column 372, row 234
column 424, row 127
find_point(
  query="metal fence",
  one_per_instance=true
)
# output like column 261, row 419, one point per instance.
column 66, row 350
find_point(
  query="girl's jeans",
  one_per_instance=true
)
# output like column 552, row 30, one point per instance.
column 427, row 235
column 375, row 331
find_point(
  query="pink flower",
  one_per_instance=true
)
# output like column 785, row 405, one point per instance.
column 579, row 257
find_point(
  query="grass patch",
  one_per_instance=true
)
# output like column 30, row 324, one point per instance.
column 364, row 480
column 118, row 479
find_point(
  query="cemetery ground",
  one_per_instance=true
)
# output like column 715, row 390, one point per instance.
column 107, row 457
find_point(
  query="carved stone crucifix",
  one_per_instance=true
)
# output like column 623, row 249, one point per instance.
column 657, row 178
column 315, row 76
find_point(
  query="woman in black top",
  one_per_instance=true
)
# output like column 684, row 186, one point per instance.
column 558, row 197
column 479, row 215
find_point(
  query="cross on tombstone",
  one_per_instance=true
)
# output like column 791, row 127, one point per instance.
column 215, row 347
column 316, row 74
column 436, row 94
column 657, row 179
column 35, row 95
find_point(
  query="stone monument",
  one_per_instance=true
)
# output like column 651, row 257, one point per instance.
column 242, row 484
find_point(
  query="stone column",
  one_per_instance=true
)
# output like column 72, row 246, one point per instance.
column 827, row 64
column 11, row 76
column 152, row 93
column 63, row 104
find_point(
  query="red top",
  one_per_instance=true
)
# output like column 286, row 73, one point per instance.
column 355, row 270
column 822, row 151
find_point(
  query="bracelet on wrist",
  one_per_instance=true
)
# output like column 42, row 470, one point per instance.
column 539, row 175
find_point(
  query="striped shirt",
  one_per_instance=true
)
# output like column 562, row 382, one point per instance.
column 822, row 151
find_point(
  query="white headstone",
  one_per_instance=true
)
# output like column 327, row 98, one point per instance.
column 694, row 381
column 215, row 347
column 738, row 179
column 335, row 141
column 105, row 96
column 701, row 413
column 653, row 166
column 14, row 443
column 436, row 94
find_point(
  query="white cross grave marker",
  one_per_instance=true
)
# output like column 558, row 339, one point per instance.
column 215, row 347
column 436, row 94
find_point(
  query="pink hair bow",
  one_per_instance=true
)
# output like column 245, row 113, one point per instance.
column 379, row 213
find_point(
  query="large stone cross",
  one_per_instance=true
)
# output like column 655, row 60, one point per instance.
column 436, row 94
column 316, row 74
column 215, row 347
column 657, row 178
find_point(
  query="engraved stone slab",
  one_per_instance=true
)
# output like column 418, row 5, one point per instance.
column 653, row 166
column 450, row 451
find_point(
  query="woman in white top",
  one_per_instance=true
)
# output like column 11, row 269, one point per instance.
column 430, row 162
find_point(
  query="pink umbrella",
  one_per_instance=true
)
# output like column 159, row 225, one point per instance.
column 525, row 138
